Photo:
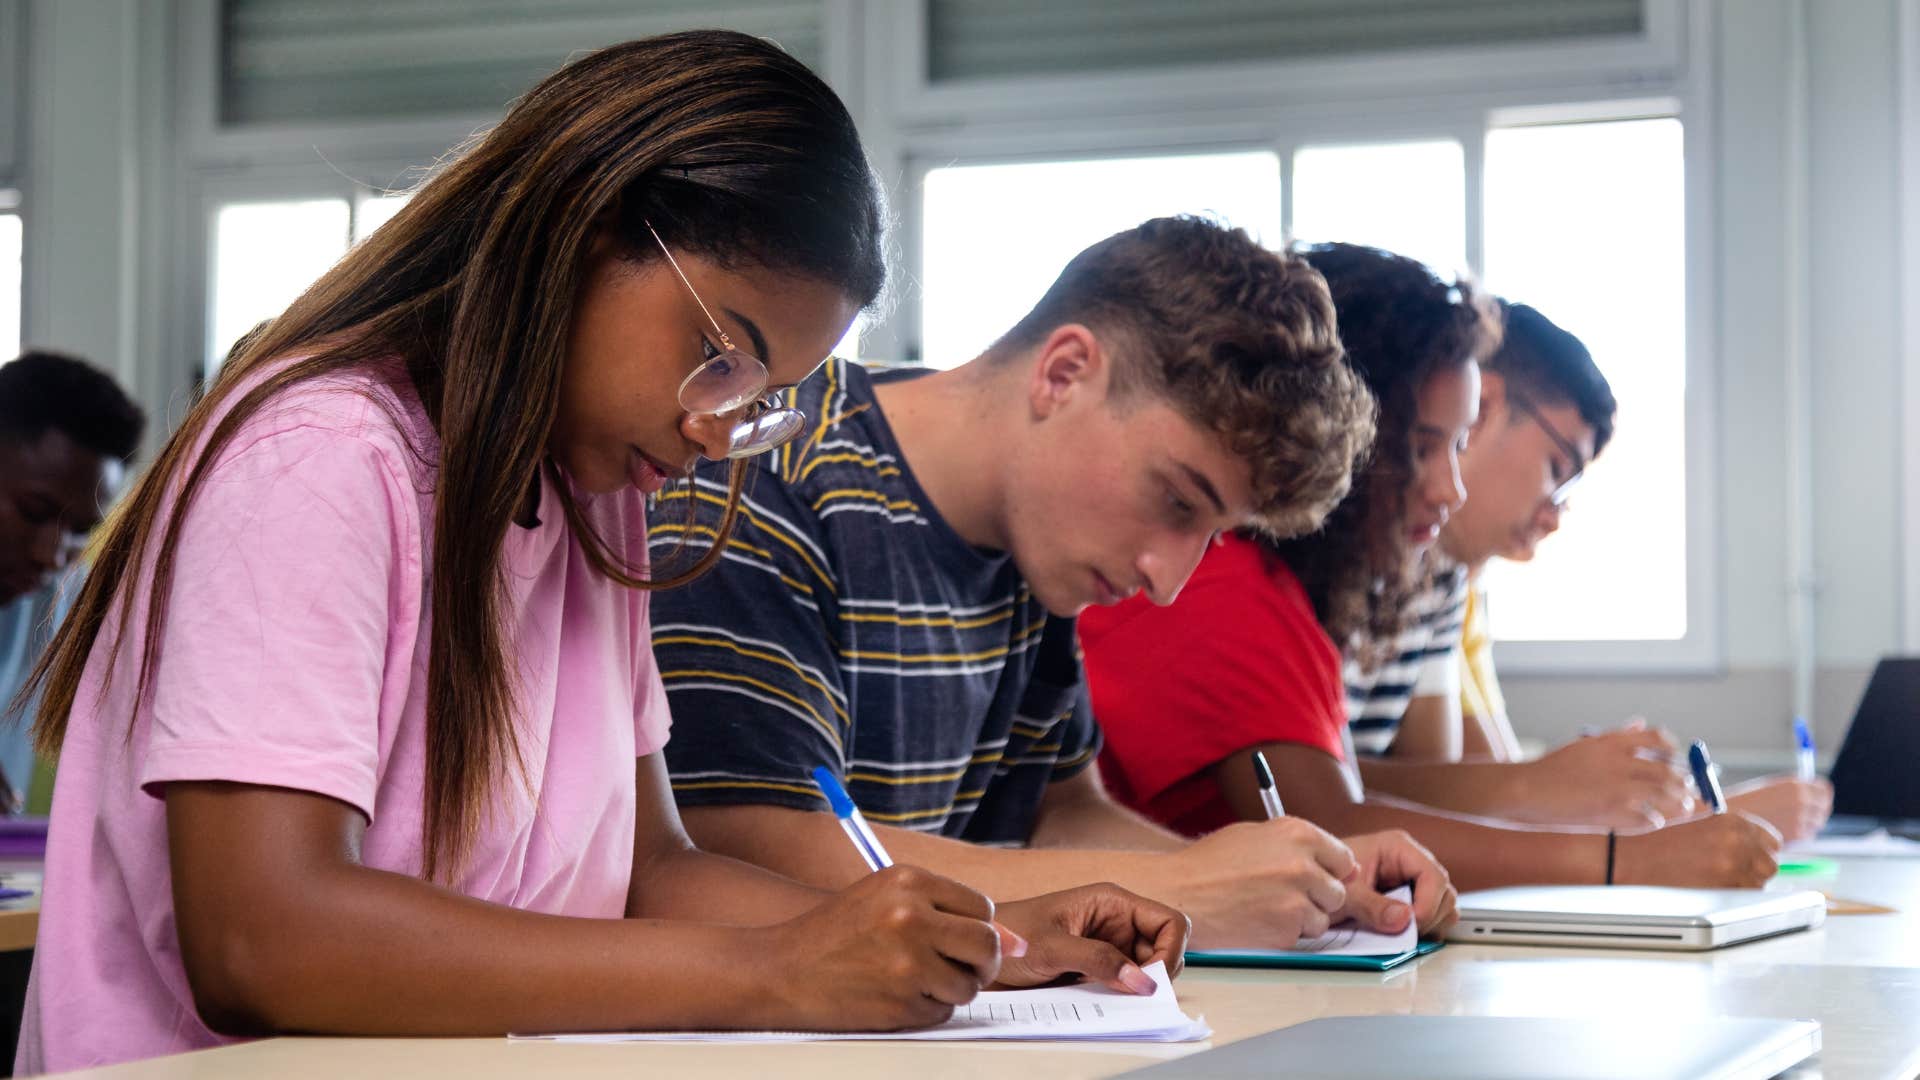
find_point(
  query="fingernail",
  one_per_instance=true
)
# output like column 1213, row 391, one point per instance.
column 1137, row 981
column 1011, row 944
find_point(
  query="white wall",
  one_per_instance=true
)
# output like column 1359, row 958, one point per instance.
column 97, row 148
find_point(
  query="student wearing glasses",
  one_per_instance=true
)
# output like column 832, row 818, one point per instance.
column 359, row 722
column 1251, row 658
column 898, row 602
column 1546, row 412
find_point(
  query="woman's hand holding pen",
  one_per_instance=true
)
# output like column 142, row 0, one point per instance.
column 1100, row 931
column 1720, row 851
column 896, row 949
column 1797, row 808
column 1622, row 779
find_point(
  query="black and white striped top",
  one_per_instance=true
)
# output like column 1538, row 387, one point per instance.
column 1423, row 663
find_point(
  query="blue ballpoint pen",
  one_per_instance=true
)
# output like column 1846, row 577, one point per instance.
column 855, row 825
column 869, row 846
column 1804, row 764
column 1706, row 776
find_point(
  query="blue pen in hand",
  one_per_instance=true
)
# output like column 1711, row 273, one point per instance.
column 1803, row 759
column 861, row 834
column 1706, row 776
column 855, row 825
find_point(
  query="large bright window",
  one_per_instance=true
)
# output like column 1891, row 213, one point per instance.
column 9, row 286
column 265, row 254
column 995, row 236
column 1586, row 222
column 1407, row 197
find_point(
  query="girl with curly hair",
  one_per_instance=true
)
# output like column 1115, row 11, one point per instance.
column 1250, row 658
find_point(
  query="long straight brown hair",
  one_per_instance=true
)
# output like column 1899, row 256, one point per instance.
column 730, row 147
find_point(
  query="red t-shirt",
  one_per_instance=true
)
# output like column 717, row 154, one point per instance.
column 1239, row 660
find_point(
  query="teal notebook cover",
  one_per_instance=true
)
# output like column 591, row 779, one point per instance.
column 1277, row 958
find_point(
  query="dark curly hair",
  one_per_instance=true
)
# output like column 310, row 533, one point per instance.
column 1239, row 339
column 1400, row 323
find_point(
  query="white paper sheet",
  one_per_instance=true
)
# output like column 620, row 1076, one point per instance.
column 1348, row 939
column 1066, row 1012
column 1877, row 842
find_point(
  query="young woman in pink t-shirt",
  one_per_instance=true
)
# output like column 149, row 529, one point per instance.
column 357, row 712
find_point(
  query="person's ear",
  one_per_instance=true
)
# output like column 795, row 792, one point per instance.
column 1070, row 364
column 1493, row 402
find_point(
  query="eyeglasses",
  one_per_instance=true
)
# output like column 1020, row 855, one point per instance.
column 1564, row 488
column 731, row 382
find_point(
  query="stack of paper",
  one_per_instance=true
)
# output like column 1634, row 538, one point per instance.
column 1082, row 1012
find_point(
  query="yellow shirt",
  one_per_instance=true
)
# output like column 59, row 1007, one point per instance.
column 1480, row 697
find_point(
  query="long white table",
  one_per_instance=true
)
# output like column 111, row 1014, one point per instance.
column 1859, row 976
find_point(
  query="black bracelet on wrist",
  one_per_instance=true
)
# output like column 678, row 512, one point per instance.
column 1611, row 838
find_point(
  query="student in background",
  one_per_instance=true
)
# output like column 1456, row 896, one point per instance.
column 358, row 719
column 1546, row 414
column 67, row 433
column 1250, row 658
column 898, row 603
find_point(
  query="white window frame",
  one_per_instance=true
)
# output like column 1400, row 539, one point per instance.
column 1908, row 53
column 13, row 92
column 13, row 143
column 351, row 181
column 1073, row 117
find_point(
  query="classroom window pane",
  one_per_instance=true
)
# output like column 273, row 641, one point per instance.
column 1586, row 222
column 373, row 211
column 265, row 254
column 9, row 286
column 995, row 236
column 1407, row 197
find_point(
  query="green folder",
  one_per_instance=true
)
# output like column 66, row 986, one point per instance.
column 1280, row 958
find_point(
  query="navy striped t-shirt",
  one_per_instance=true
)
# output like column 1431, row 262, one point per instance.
column 849, row 625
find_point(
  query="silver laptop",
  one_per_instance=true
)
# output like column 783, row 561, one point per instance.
column 1508, row 1048
column 1632, row 916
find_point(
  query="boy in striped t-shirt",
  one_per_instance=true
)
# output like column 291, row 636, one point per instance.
column 897, row 599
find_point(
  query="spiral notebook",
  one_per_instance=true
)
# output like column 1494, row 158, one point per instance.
column 1081, row 1012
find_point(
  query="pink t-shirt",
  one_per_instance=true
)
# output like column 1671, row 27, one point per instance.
column 295, row 655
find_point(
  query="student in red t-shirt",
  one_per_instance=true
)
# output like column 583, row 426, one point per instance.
column 1247, row 659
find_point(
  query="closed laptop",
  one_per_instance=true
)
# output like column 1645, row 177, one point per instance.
column 1632, row 916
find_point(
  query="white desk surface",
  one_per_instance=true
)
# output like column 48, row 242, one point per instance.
column 1859, row 976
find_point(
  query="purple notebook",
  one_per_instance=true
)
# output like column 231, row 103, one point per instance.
column 23, row 837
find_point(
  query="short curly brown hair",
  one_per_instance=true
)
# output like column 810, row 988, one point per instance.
column 1239, row 339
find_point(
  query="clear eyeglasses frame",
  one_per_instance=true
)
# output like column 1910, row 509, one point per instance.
column 734, row 382
column 1563, row 490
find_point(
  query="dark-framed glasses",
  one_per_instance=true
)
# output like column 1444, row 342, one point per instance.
column 1564, row 488
column 735, row 381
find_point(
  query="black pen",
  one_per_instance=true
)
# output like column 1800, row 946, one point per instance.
column 1269, row 797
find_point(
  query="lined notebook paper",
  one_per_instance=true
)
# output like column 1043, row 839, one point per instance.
column 1082, row 1012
